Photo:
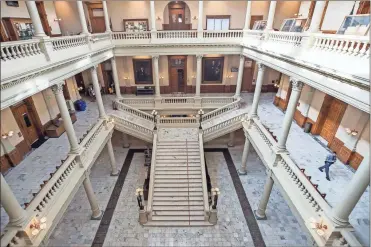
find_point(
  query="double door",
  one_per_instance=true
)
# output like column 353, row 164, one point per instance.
column 178, row 74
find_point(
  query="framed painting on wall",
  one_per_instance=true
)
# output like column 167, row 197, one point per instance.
column 143, row 71
column 12, row 3
column 135, row 25
column 212, row 69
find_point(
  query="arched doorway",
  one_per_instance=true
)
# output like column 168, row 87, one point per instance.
column 177, row 16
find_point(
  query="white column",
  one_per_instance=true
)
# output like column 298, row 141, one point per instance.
column 125, row 138
column 17, row 215
column 198, row 74
column 115, row 78
column 245, row 153
column 97, row 213
column 80, row 8
column 106, row 17
column 231, row 139
column 353, row 192
column 35, row 17
column 260, row 213
column 240, row 76
column 200, row 18
column 272, row 10
column 248, row 16
column 111, row 154
column 156, row 77
column 258, row 88
column 153, row 15
column 67, row 122
column 317, row 16
column 297, row 86
column 98, row 96
column 309, row 99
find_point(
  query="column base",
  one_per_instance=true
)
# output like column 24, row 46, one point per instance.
column 213, row 219
column 339, row 222
column 76, row 150
column 115, row 174
column 241, row 172
column 259, row 217
column 230, row 144
column 98, row 217
column 143, row 217
column 126, row 145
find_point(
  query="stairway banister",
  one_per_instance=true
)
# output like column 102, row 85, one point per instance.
column 91, row 132
column 264, row 130
column 148, row 116
column 306, row 183
column 8, row 236
column 152, row 176
column 350, row 238
column 210, row 115
column 203, row 173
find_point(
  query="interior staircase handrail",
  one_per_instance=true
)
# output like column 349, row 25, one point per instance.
column 134, row 111
column 203, row 173
column 152, row 176
column 221, row 110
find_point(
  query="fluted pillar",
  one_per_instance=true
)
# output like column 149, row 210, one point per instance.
column 272, row 10
column 35, row 17
column 198, row 75
column 200, row 18
column 80, row 9
column 98, row 95
column 297, row 86
column 240, row 76
column 67, row 122
column 96, row 212
column 248, row 16
column 245, row 153
column 317, row 16
column 260, row 212
column 106, row 17
column 156, row 75
column 258, row 88
column 153, row 15
column 17, row 215
column 351, row 195
column 115, row 78
column 114, row 171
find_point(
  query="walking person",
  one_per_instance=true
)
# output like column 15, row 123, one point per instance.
column 330, row 159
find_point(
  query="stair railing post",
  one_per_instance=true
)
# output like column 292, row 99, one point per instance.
column 142, row 212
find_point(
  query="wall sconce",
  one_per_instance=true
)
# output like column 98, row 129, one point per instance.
column 57, row 19
column 38, row 225
column 194, row 18
column 161, row 77
column 7, row 135
column 319, row 226
column 351, row 132
column 193, row 76
column 298, row 15
column 158, row 18
column 276, row 83
column 229, row 76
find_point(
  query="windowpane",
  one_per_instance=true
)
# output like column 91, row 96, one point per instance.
column 26, row 120
column 225, row 24
column 218, row 24
column 210, row 24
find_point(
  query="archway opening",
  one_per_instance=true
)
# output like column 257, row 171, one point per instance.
column 177, row 16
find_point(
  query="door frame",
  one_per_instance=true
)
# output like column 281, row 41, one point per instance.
column 169, row 57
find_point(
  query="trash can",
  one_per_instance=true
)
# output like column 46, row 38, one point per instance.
column 307, row 127
column 80, row 105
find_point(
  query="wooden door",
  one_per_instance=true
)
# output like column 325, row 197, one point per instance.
column 333, row 119
column 43, row 18
column 177, row 73
column 255, row 18
column 177, row 15
column 66, row 92
column 26, row 123
column 98, row 25
column 248, row 74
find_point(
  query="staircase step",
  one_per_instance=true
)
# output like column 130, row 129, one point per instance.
column 169, row 152
column 177, row 193
column 178, row 218
column 178, row 172
column 177, row 208
column 176, row 198
column 178, row 168
column 177, row 189
column 177, row 185
column 176, row 149
column 177, row 223
column 170, row 176
column 180, row 181
column 176, row 213
column 171, row 156
column 177, row 203
column 162, row 142
column 174, row 163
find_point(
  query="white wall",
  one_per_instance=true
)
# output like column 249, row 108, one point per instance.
column 72, row 89
column 335, row 13
column 269, row 75
column 51, row 102
column 284, row 10
column 21, row 11
column 236, row 9
column 316, row 105
column 284, row 86
column 304, row 8
column 41, row 108
column 8, row 123
column 67, row 12
column 305, row 100
column 52, row 15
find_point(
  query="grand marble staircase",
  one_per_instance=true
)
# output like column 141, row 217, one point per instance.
column 178, row 191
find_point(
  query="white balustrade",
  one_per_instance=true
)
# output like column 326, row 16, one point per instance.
column 264, row 133
column 100, row 37
column 138, row 129
column 343, row 44
column 19, row 49
column 227, row 108
column 178, row 120
column 254, row 34
column 211, row 34
column 152, row 175
column 141, row 114
column 286, row 37
column 225, row 124
column 65, row 42
column 131, row 36
column 178, row 100
column 150, row 102
column 186, row 34
column 216, row 100
column 203, row 174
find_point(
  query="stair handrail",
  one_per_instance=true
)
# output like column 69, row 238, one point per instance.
column 226, row 122
column 221, row 110
column 203, row 174
column 134, row 111
column 152, row 176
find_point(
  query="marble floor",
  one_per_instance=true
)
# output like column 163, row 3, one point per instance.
column 25, row 178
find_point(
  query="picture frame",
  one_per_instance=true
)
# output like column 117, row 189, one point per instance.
column 135, row 25
column 212, row 69
column 12, row 3
column 355, row 25
column 143, row 71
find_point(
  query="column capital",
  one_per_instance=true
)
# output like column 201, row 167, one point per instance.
column 94, row 67
column 261, row 66
column 155, row 57
column 199, row 56
column 242, row 57
column 296, row 84
column 57, row 88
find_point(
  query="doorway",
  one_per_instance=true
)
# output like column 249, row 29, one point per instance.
column 178, row 74
column 177, row 16
column 247, row 77
column 96, row 16
column 255, row 18
column 80, row 83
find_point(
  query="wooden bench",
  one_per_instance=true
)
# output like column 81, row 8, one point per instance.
column 53, row 131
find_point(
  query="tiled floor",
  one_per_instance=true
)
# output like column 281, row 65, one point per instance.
column 78, row 229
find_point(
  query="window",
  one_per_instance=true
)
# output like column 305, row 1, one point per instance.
column 217, row 22
column 26, row 120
